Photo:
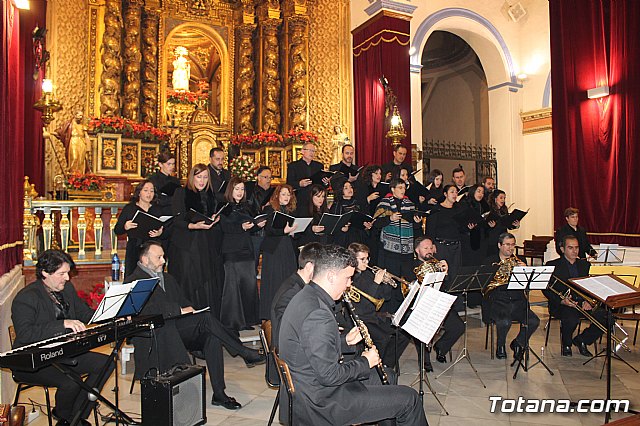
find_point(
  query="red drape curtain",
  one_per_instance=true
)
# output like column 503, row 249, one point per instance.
column 595, row 142
column 11, row 131
column 381, row 47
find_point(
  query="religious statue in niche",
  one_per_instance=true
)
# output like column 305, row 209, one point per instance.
column 338, row 140
column 181, row 70
column 73, row 134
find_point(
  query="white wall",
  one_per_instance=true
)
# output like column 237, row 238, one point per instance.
column 524, row 162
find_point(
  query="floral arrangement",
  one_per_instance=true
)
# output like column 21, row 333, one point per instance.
column 94, row 297
column 186, row 98
column 241, row 140
column 128, row 129
column 268, row 139
column 243, row 167
column 149, row 166
column 84, row 182
column 300, row 137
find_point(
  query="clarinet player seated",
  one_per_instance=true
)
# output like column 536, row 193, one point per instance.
column 329, row 391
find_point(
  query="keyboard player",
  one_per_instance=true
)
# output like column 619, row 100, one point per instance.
column 49, row 307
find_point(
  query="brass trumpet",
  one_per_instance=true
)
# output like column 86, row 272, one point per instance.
column 388, row 279
column 354, row 294
column 594, row 303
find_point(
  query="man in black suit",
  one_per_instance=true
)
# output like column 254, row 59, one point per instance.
column 217, row 173
column 183, row 330
column 392, row 168
column 258, row 198
column 572, row 228
column 459, row 179
column 509, row 305
column 570, row 266
column 299, row 173
column 348, row 170
column 329, row 391
column 50, row 307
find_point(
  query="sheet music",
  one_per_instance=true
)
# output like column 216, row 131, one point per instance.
column 112, row 301
column 520, row 277
column 413, row 289
column 607, row 253
column 433, row 279
column 428, row 313
column 303, row 223
column 603, row 286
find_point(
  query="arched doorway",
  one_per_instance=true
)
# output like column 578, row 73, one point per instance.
column 455, row 104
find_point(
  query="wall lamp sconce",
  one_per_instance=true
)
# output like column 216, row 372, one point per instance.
column 598, row 92
column 396, row 132
column 47, row 104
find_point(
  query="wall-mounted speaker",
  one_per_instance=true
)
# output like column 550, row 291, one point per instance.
column 176, row 398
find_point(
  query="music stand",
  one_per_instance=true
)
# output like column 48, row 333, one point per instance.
column 469, row 278
column 613, row 293
column 529, row 278
column 120, row 301
column 609, row 253
column 414, row 293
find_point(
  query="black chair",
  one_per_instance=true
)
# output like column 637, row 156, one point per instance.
column 285, row 377
column 265, row 338
column 24, row 385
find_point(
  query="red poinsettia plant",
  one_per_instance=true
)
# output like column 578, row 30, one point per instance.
column 241, row 140
column 85, row 182
column 300, row 137
column 128, row 129
column 94, row 297
column 268, row 139
column 186, row 98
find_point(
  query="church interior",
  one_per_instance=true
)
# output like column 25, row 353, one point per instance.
column 539, row 95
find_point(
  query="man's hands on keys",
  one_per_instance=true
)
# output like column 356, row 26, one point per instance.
column 372, row 356
column 74, row 325
column 353, row 336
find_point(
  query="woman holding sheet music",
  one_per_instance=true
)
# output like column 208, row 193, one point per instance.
column 498, row 209
column 144, row 198
column 316, row 208
column 194, row 259
column 278, row 255
column 239, row 309
column 369, row 191
column 474, row 237
column 434, row 186
column 346, row 202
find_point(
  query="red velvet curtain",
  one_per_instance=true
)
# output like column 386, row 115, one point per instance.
column 381, row 47
column 595, row 142
column 11, row 132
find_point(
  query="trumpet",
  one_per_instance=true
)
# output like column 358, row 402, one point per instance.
column 594, row 303
column 354, row 293
column 388, row 278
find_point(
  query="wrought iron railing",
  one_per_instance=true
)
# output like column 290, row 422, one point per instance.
column 483, row 156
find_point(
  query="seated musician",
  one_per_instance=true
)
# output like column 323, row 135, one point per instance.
column 381, row 331
column 50, row 307
column 199, row 332
column 509, row 305
column 330, row 391
column 566, row 308
column 452, row 325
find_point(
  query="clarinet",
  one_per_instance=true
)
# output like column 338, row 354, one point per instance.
column 368, row 343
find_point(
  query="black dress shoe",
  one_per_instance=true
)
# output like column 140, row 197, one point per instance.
column 428, row 367
column 227, row 402
column 518, row 350
column 582, row 347
column 441, row 356
column 566, row 351
column 501, row 352
column 253, row 358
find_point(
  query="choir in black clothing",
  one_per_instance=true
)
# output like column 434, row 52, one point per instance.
column 218, row 175
column 393, row 166
column 239, row 310
column 459, row 179
column 316, row 207
column 144, row 199
column 300, row 171
column 164, row 181
column 435, row 187
column 497, row 206
column 347, row 169
column 344, row 202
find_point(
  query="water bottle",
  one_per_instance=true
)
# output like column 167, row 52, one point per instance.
column 115, row 267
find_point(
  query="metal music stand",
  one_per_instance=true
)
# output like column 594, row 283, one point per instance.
column 422, row 378
column 609, row 253
column 469, row 278
column 529, row 278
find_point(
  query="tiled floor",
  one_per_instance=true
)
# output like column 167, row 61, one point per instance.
column 459, row 390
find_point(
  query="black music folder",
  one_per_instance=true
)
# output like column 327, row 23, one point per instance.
column 123, row 300
column 146, row 223
column 317, row 177
column 468, row 216
column 280, row 220
column 169, row 189
column 508, row 219
column 334, row 222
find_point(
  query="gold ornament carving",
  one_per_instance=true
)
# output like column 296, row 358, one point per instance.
column 150, row 68
column 270, row 78
column 132, row 60
column 129, row 157
column 297, row 74
column 111, row 60
column 245, row 106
